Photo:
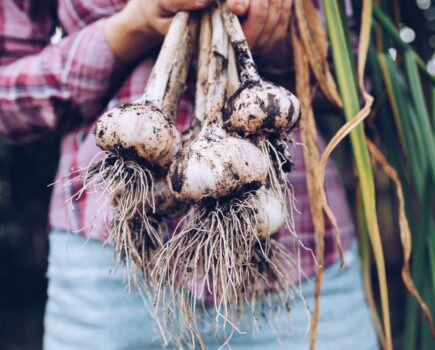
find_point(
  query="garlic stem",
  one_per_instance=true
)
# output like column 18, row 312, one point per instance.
column 159, row 78
column 217, row 72
column 244, row 59
column 178, row 77
column 203, row 63
column 233, row 82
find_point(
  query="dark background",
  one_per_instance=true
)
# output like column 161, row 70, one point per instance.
column 26, row 170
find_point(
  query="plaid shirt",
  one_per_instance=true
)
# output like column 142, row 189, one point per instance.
column 64, row 87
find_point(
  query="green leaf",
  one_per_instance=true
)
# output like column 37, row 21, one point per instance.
column 417, row 94
column 349, row 93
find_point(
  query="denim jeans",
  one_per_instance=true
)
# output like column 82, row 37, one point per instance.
column 89, row 307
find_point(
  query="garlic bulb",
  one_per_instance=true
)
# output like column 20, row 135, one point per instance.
column 265, row 112
column 138, row 131
column 258, row 106
column 216, row 165
column 271, row 214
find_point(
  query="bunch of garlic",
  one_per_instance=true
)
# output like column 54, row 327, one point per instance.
column 234, row 181
column 228, row 176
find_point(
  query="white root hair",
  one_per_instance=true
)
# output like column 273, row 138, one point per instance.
column 219, row 256
column 127, row 188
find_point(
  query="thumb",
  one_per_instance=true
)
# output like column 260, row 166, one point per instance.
column 238, row 7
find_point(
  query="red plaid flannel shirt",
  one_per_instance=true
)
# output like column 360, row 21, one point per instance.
column 64, row 87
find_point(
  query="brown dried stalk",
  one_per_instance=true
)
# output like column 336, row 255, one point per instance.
column 311, row 158
column 315, row 43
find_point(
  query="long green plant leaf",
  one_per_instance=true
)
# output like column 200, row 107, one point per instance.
column 349, row 93
column 415, row 163
column 417, row 94
column 405, row 121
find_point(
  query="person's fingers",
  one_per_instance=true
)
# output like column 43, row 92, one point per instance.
column 277, row 35
column 255, row 20
column 281, row 29
column 169, row 7
column 273, row 17
column 238, row 7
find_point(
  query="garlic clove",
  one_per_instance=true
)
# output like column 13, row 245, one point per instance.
column 216, row 166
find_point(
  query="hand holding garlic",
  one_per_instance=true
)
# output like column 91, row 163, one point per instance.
column 264, row 22
column 143, row 24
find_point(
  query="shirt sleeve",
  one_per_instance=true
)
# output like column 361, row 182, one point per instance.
column 63, row 85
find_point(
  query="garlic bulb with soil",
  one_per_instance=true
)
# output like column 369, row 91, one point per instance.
column 215, row 166
column 139, row 141
column 123, row 130
column 257, row 106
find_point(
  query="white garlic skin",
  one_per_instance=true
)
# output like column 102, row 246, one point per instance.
column 271, row 216
column 141, row 130
column 216, row 165
column 259, row 107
